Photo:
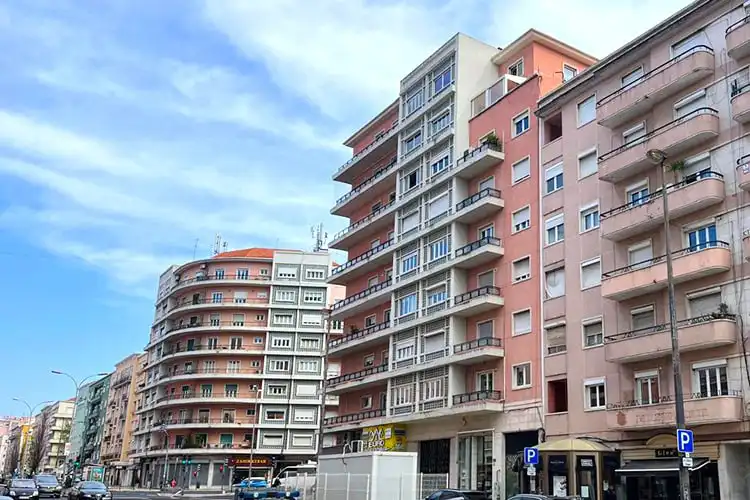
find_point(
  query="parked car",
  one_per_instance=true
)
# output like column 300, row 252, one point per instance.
column 458, row 495
column 48, row 486
column 534, row 496
column 89, row 490
column 21, row 489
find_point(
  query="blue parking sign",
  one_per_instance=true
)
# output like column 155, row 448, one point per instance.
column 685, row 443
column 530, row 456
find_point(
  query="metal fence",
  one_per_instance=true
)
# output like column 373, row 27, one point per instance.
column 350, row 486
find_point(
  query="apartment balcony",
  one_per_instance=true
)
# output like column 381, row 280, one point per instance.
column 210, row 350
column 360, row 338
column 740, row 104
column 643, row 94
column 353, row 418
column 363, row 378
column 191, row 329
column 197, row 305
column 479, row 206
column 208, row 373
column 696, row 192
column 678, row 136
column 362, row 263
column 364, row 300
column 478, row 351
column 221, row 280
column 371, row 153
column 477, row 301
column 204, row 398
column 203, row 423
column 474, row 162
column 636, row 416
column 386, row 176
column 478, row 402
column 738, row 39
column 743, row 172
column 366, row 226
column 694, row 334
column 220, row 449
column 645, row 277
column 478, row 252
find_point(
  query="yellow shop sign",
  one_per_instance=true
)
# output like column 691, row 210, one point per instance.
column 384, row 438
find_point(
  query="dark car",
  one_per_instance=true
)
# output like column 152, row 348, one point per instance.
column 22, row 489
column 458, row 495
column 89, row 490
column 534, row 496
column 48, row 486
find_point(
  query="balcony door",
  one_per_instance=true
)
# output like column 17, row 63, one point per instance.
column 647, row 387
column 702, row 238
column 485, row 381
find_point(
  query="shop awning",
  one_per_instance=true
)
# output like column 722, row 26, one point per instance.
column 660, row 466
column 573, row 444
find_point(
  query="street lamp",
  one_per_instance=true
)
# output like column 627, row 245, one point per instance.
column 658, row 157
column 24, row 443
column 75, row 405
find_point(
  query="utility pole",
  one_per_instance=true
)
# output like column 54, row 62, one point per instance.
column 659, row 157
column 321, row 417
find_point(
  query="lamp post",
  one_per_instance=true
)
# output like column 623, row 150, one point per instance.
column 658, row 157
column 75, row 405
column 163, row 429
column 25, row 442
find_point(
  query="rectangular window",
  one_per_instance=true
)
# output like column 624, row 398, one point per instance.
column 235, row 343
column 438, row 249
column 688, row 43
column 315, row 274
column 487, row 232
column 554, row 229
column 522, row 376
column 403, row 395
column 436, row 295
column 555, row 337
column 272, row 440
column 413, row 142
column 307, row 366
column 485, row 329
column 702, row 238
column 486, row 279
column 275, row 415
column 276, row 390
column 634, row 135
column 309, row 344
column 287, row 272
column 521, row 124
column 554, row 283
column 631, row 78
column 516, row 69
column 409, row 262
column 522, row 269
column 596, row 398
column 489, row 182
column 243, row 274
column 521, row 219
column 521, row 170
column 281, row 342
column 569, row 72
column 704, row 304
column 240, row 297
column 219, row 274
column 439, row 165
column 591, row 274
column 691, row 103
column 647, row 388
column 217, row 297
column 438, row 206
column 485, row 381
column 638, row 195
column 414, row 101
column 589, row 218
column 283, row 319
column 640, row 255
column 593, row 333
column 522, row 322
column 553, row 178
column 409, row 222
column 304, row 414
column 369, row 360
column 285, row 296
column 440, row 123
column 710, row 380
column 442, row 80
column 233, row 366
column 280, row 365
column 587, row 111
column 407, row 305
column 311, row 319
column 587, row 165
column 405, row 350
column 313, row 296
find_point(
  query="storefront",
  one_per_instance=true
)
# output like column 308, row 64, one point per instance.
column 650, row 472
column 384, row 438
column 475, row 462
column 240, row 468
column 576, row 467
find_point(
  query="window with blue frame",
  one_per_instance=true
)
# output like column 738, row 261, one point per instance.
column 439, row 165
column 409, row 262
column 443, row 80
column 407, row 305
column 441, row 122
column 413, row 142
column 437, row 295
column 438, row 249
column 701, row 238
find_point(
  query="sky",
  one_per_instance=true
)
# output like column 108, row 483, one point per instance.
column 133, row 131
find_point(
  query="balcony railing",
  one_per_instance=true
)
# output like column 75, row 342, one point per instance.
column 472, row 397
column 477, row 292
column 185, row 282
column 211, row 371
column 636, row 403
column 367, row 182
column 484, row 193
column 361, row 295
column 204, row 421
column 662, row 258
column 217, row 324
column 358, row 334
column 386, row 134
column 689, row 179
column 609, row 97
column 356, row 375
column 364, row 220
column 474, row 245
column 651, row 330
column 477, row 343
column 208, row 301
column 209, row 395
column 470, row 155
column 354, row 417
column 361, row 257
column 218, row 347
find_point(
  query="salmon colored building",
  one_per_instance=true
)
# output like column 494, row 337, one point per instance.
column 235, row 367
column 441, row 332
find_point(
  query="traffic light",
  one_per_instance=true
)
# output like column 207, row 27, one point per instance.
column 189, row 459
column 77, row 463
column 195, row 473
column 221, row 468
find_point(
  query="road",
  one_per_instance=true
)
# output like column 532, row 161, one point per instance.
column 125, row 494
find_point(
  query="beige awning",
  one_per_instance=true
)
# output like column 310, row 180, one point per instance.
column 573, row 444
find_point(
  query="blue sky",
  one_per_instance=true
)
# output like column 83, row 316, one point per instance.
column 129, row 129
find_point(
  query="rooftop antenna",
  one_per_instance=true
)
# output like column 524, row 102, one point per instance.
column 217, row 244
column 319, row 236
column 195, row 247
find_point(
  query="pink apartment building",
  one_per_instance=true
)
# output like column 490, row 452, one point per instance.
column 683, row 88
column 441, row 337
column 235, row 367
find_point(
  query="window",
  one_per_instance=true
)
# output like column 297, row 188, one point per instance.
column 554, row 229
column 555, row 337
column 439, row 165
column 366, row 402
column 407, row 305
column 591, row 274
column 238, row 320
column 593, row 333
column 240, row 297
column 405, row 350
column 314, row 296
column 243, row 274
column 569, row 72
column 486, row 279
column 413, row 142
column 410, row 180
column 369, row 360
column 304, row 415
column 701, row 304
column 438, row 249
column 285, row 296
column 258, row 340
column 209, row 366
column 691, row 103
column 311, row 319
column 522, row 269
column 522, row 322
column 642, row 318
column 283, row 319
column 521, row 124
column 275, row 415
column 587, row 111
column 553, row 178
column 414, row 100
column 264, row 272
column 281, row 342
column 309, row 344
column 409, row 222
column 442, row 80
column 516, row 69
column 276, row 390
column 235, row 343
column 589, row 218
column 307, row 366
column 688, row 43
column 487, row 231
column 433, row 389
column 279, row 365
column 634, row 135
column 485, row 381
column 489, row 182
column 702, row 238
column 521, row 170
column 710, row 379
column 409, row 262
column 287, row 272
column 521, row 219
column 485, row 329
column 640, row 255
column 522, row 376
column 632, row 77
column 215, row 319
column 697, row 166
column 302, row 440
column 595, row 391
column 306, row 390
column 638, row 194
column 587, row 165
column 217, row 297
column 233, row 366
column 440, row 123
column 272, row 440
column 262, row 295
column 219, row 274
column 315, row 274
column 647, row 387
column 438, row 206
column 403, row 395
column 554, row 283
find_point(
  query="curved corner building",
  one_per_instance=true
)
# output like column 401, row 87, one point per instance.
column 235, row 367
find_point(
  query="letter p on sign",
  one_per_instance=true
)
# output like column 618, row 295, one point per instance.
column 685, row 443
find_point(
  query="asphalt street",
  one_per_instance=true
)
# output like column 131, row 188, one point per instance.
column 124, row 494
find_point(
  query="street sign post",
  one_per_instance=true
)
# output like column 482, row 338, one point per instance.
column 531, row 459
column 685, row 442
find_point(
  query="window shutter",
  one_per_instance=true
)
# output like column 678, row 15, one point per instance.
column 486, row 279
column 553, row 172
column 556, row 339
column 439, row 206
column 588, row 165
column 705, row 304
column 641, row 254
column 643, row 320
column 484, row 330
column 434, row 343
